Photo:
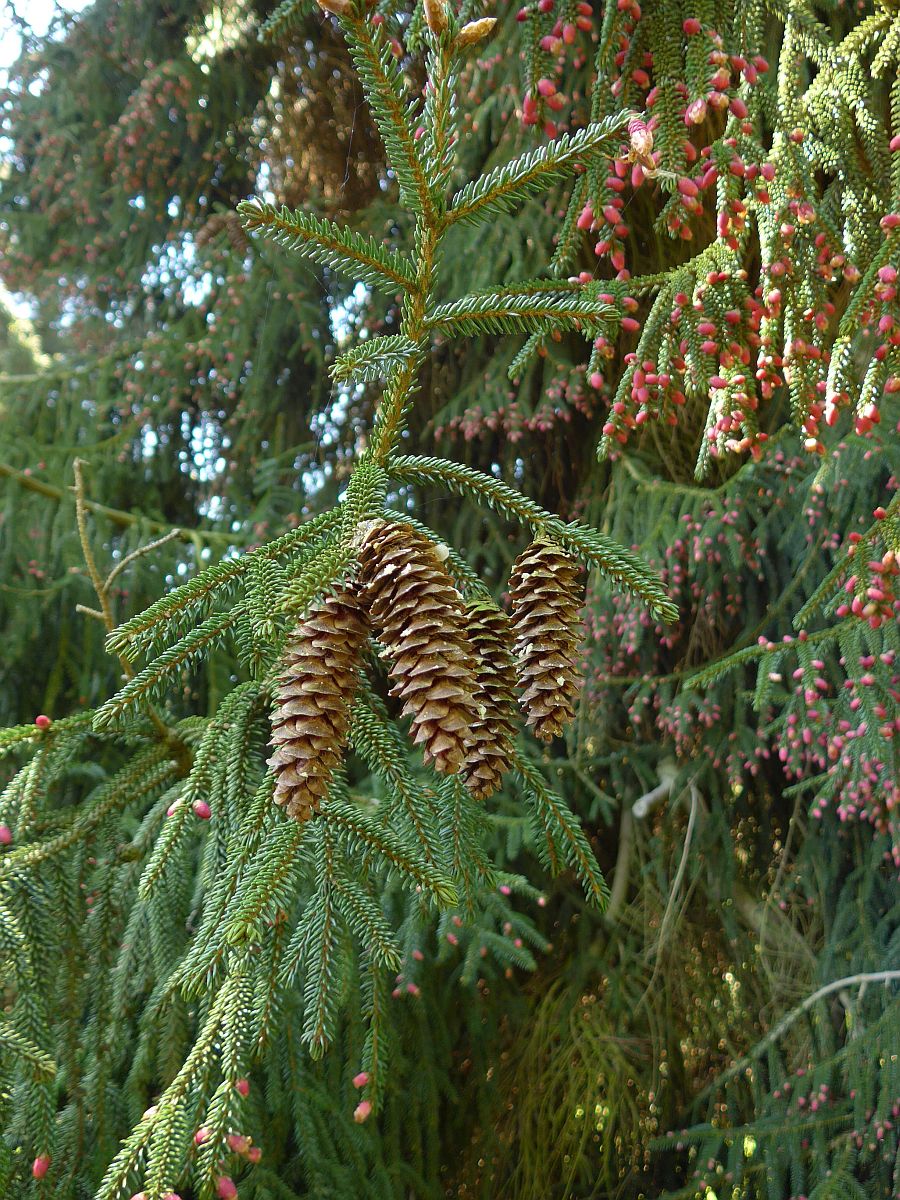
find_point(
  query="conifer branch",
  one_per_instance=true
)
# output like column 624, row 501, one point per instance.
column 511, row 313
column 14, row 1042
column 366, row 921
column 342, row 250
column 373, row 359
column 505, row 187
column 565, row 831
column 154, row 677
column 286, row 16
column 148, row 772
column 386, row 92
column 360, row 829
column 188, row 600
column 614, row 560
column 860, row 981
column 377, row 741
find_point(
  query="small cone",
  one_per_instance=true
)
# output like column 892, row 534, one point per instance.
column 488, row 757
column 309, row 723
column 230, row 222
column 546, row 603
column 418, row 617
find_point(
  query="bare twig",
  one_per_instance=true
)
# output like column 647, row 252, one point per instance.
column 101, row 588
column 836, row 985
column 130, row 558
column 118, row 516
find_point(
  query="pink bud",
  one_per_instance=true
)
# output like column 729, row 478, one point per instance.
column 691, row 27
column 586, row 218
column 238, row 1143
column 40, row 1166
column 895, row 143
column 362, row 1112
column 6, row 836
column 201, row 810
column 361, row 1079
column 546, row 87
column 201, row 1136
column 225, row 1188
column 243, row 1087
column 42, row 721
column 891, row 221
column 695, row 113
column 254, row 1154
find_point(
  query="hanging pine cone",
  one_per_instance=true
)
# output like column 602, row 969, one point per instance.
column 309, row 723
column 418, row 617
column 230, row 223
column 488, row 757
column 546, row 601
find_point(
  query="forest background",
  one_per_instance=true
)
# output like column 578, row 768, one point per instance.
column 663, row 959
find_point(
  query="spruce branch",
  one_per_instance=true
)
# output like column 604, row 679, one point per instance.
column 352, row 254
column 286, row 17
column 366, row 921
column 392, row 109
column 147, row 773
column 506, row 186
column 189, row 599
column 373, row 359
column 267, row 884
column 534, row 312
column 12, row 1041
column 154, row 677
column 439, row 114
column 377, row 740
column 325, row 569
column 614, row 560
column 564, row 831
column 359, row 828
column 861, row 981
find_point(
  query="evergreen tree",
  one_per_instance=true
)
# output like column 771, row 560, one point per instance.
column 341, row 856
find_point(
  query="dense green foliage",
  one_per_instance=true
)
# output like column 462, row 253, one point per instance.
column 623, row 275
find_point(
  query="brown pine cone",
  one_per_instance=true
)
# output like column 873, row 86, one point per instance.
column 488, row 757
column 311, row 715
column 230, row 222
column 546, row 603
column 418, row 617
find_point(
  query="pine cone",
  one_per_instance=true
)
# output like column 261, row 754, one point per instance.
column 488, row 757
column 309, row 724
column 418, row 617
column 546, row 603
column 230, row 222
